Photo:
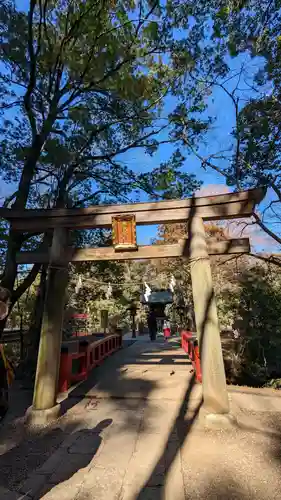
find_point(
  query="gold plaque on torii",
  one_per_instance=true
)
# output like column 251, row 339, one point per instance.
column 124, row 232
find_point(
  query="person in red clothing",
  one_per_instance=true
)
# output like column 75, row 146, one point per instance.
column 167, row 330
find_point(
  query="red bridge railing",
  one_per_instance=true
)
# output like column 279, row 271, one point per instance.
column 189, row 344
column 88, row 356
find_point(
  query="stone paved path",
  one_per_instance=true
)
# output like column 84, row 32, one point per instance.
column 131, row 433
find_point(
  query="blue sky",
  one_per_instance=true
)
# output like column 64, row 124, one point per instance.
column 217, row 139
column 22, row 4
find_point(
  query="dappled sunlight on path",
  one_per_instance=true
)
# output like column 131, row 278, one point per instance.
column 132, row 432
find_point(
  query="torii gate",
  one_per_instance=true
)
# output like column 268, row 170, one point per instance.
column 123, row 219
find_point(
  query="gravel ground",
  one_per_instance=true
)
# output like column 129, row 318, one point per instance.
column 242, row 463
column 22, row 449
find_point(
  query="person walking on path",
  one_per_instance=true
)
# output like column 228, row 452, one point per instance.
column 152, row 325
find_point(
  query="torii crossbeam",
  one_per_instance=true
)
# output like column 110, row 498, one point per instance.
column 219, row 207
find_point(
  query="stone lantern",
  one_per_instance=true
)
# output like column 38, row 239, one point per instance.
column 133, row 311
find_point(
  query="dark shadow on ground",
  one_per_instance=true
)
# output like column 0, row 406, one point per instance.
column 114, row 380
column 180, row 430
column 12, row 428
column 19, row 401
column 33, row 449
column 23, row 450
column 84, row 446
column 37, row 447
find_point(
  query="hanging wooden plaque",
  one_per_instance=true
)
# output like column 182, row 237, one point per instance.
column 124, row 232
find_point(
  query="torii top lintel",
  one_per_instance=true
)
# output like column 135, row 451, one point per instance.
column 223, row 206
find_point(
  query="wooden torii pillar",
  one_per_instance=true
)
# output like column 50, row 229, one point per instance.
column 196, row 248
column 45, row 407
column 215, row 394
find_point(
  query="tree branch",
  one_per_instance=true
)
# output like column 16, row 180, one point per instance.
column 26, row 283
column 88, row 198
column 32, row 71
column 266, row 229
column 9, row 199
column 272, row 259
column 134, row 144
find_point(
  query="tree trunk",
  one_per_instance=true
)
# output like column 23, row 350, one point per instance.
column 27, row 368
column 10, row 271
column 15, row 238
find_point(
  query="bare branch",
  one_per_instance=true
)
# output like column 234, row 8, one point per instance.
column 10, row 105
column 205, row 161
column 135, row 144
column 26, row 283
column 266, row 229
column 9, row 199
column 88, row 198
column 32, row 71
column 272, row 259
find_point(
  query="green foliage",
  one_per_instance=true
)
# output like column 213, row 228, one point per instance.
column 274, row 383
column 126, row 282
column 81, row 84
column 169, row 181
column 260, row 306
column 248, row 297
column 21, row 314
column 249, row 303
column 242, row 39
column 255, row 27
column 87, row 80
